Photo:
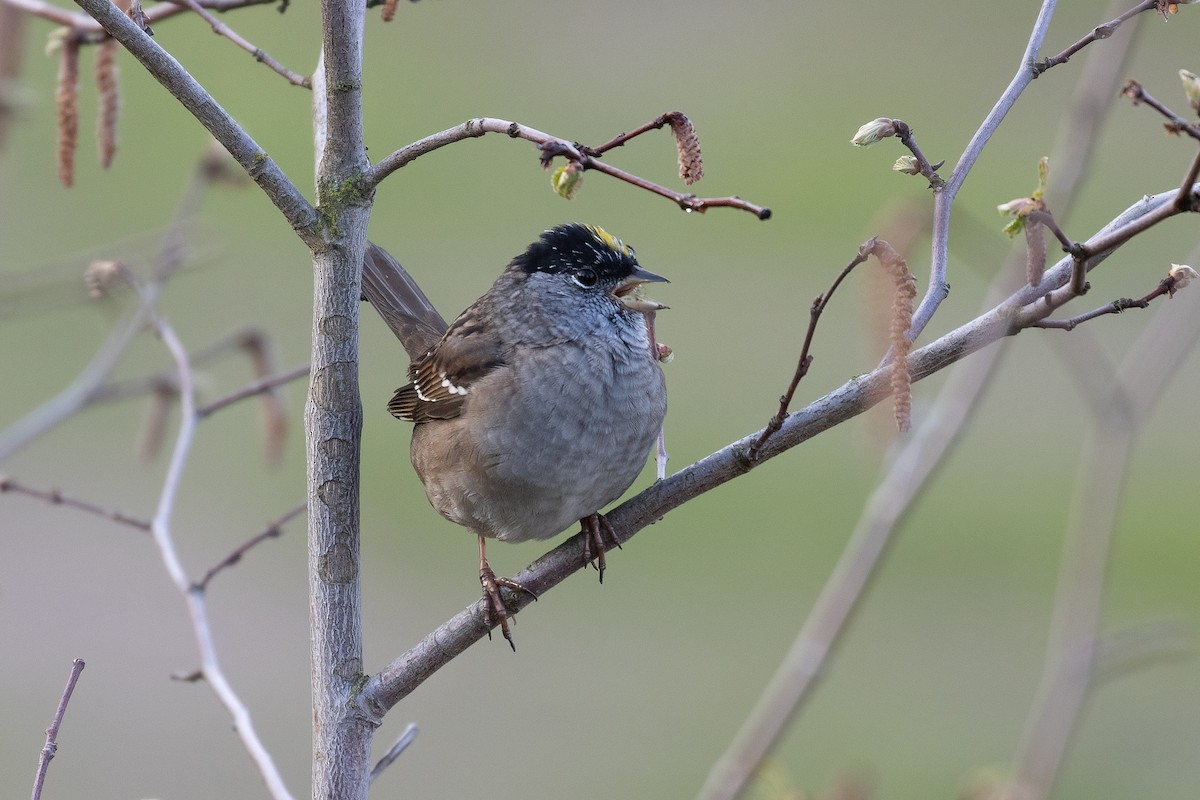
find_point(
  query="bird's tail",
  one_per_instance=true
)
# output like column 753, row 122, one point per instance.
column 404, row 307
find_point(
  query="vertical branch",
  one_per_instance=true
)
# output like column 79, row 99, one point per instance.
column 160, row 530
column 943, row 196
column 333, row 418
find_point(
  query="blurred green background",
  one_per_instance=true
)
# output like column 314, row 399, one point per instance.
column 633, row 688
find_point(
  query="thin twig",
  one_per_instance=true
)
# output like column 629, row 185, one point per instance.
column 814, row 316
column 400, row 745
column 51, row 746
column 1174, row 124
column 1100, row 32
column 1165, row 287
column 620, row 139
column 927, row 170
column 92, row 32
column 221, row 29
column 549, row 147
column 250, row 390
column 55, row 497
column 272, row 531
column 1186, row 200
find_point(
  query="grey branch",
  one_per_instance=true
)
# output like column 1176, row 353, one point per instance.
column 51, row 746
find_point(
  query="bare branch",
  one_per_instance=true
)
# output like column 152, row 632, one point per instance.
column 258, row 387
column 272, row 531
column 550, row 147
column 1100, row 32
column 55, row 497
column 943, row 196
column 194, row 598
column 1174, row 124
column 398, row 747
column 333, row 416
column 258, row 165
column 51, row 746
column 1167, row 286
column 221, row 29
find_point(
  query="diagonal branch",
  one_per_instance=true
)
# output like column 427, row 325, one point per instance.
column 388, row 687
column 167, row 71
column 260, row 55
column 51, row 746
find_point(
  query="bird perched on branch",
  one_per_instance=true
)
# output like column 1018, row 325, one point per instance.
column 540, row 403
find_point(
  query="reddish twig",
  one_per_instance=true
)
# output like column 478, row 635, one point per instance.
column 928, row 171
column 691, row 167
column 549, row 147
column 272, row 531
column 51, row 746
column 1100, row 32
column 1167, row 286
column 814, row 315
column 1078, row 252
column 1175, row 124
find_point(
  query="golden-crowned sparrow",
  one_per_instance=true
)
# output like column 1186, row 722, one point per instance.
column 540, row 403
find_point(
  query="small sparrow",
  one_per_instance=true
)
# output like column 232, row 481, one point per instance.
column 540, row 404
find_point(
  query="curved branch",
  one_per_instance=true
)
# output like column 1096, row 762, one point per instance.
column 943, row 196
column 167, row 71
column 550, row 146
column 388, row 687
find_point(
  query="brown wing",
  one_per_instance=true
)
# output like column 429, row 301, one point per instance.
column 442, row 378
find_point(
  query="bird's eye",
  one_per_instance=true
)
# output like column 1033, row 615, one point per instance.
column 586, row 278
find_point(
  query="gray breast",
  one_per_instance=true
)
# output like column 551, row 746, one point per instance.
column 556, row 449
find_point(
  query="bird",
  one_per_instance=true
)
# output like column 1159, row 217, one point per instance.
column 540, row 403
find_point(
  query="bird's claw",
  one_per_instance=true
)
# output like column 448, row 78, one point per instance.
column 595, row 528
column 495, row 612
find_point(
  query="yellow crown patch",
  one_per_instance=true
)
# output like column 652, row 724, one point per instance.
column 608, row 240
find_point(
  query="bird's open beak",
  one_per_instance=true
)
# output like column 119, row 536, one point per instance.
column 629, row 294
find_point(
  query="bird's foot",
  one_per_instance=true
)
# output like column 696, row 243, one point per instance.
column 595, row 528
column 495, row 612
